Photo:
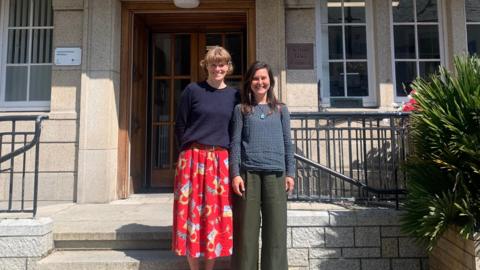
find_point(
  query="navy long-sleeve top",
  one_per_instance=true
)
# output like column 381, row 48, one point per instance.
column 261, row 141
column 204, row 115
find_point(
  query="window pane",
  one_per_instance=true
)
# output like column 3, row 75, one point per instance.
column 335, row 44
column 42, row 13
column 402, row 10
column 179, row 85
column 42, row 46
column 334, row 11
column 161, row 100
column 405, row 73
column 404, row 36
column 214, row 40
column 355, row 42
column 354, row 11
column 473, row 33
column 336, row 80
column 357, row 79
column 40, row 83
column 428, row 47
column 162, row 54
column 473, row 10
column 16, row 86
column 17, row 46
column 19, row 11
column 233, row 43
column 182, row 55
column 161, row 147
column 428, row 68
column 427, row 11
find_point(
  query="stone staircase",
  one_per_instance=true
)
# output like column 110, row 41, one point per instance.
column 129, row 250
column 115, row 237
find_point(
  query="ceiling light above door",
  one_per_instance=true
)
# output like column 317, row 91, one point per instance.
column 186, row 3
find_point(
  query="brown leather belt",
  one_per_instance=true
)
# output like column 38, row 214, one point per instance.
column 209, row 148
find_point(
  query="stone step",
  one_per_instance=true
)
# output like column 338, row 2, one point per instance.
column 119, row 260
column 141, row 238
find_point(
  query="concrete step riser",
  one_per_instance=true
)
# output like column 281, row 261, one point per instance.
column 120, row 260
column 113, row 244
column 123, row 266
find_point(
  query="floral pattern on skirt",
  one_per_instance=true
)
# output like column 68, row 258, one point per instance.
column 202, row 213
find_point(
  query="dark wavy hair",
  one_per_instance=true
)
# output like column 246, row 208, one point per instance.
column 248, row 98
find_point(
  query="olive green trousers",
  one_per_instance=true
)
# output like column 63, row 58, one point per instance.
column 264, row 200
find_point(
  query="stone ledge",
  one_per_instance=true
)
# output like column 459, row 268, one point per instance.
column 25, row 227
column 300, row 218
column 364, row 217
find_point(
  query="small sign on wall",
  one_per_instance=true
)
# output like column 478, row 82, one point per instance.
column 300, row 56
column 68, row 56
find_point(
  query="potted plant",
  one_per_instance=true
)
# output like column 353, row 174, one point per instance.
column 444, row 168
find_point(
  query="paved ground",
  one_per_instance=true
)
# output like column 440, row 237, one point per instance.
column 139, row 212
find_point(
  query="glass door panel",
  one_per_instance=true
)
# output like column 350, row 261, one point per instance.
column 175, row 64
column 168, row 80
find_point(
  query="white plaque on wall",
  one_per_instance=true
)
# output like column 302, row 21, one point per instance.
column 68, row 56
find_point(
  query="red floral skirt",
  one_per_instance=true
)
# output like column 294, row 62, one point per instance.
column 202, row 213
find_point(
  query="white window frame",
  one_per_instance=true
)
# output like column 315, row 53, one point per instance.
column 439, row 23
column 467, row 23
column 323, row 71
column 18, row 105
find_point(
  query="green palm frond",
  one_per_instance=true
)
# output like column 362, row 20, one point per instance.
column 444, row 170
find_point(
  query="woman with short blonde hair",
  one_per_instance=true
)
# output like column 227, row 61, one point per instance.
column 202, row 216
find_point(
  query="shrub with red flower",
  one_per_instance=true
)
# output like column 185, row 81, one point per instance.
column 411, row 104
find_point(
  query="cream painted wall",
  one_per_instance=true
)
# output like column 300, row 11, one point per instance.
column 301, row 88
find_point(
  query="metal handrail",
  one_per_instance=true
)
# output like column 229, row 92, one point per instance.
column 350, row 155
column 34, row 142
column 38, row 122
column 349, row 179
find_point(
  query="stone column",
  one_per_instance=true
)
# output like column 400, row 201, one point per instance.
column 270, row 39
column 99, row 99
column 383, row 54
column 23, row 242
column 455, row 36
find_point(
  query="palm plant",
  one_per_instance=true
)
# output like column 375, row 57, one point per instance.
column 444, row 169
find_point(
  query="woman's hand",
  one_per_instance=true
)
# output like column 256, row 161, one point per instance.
column 289, row 184
column 238, row 185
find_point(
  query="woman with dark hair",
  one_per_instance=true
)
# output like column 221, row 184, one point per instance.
column 262, row 171
column 202, row 215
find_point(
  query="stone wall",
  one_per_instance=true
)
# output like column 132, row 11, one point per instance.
column 360, row 239
column 456, row 253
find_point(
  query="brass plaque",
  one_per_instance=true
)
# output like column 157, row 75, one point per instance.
column 300, row 56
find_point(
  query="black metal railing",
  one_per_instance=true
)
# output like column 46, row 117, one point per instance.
column 19, row 161
column 350, row 156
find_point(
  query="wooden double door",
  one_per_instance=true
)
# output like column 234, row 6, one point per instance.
column 174, row 62
column 161, row 47
column 163, row 65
